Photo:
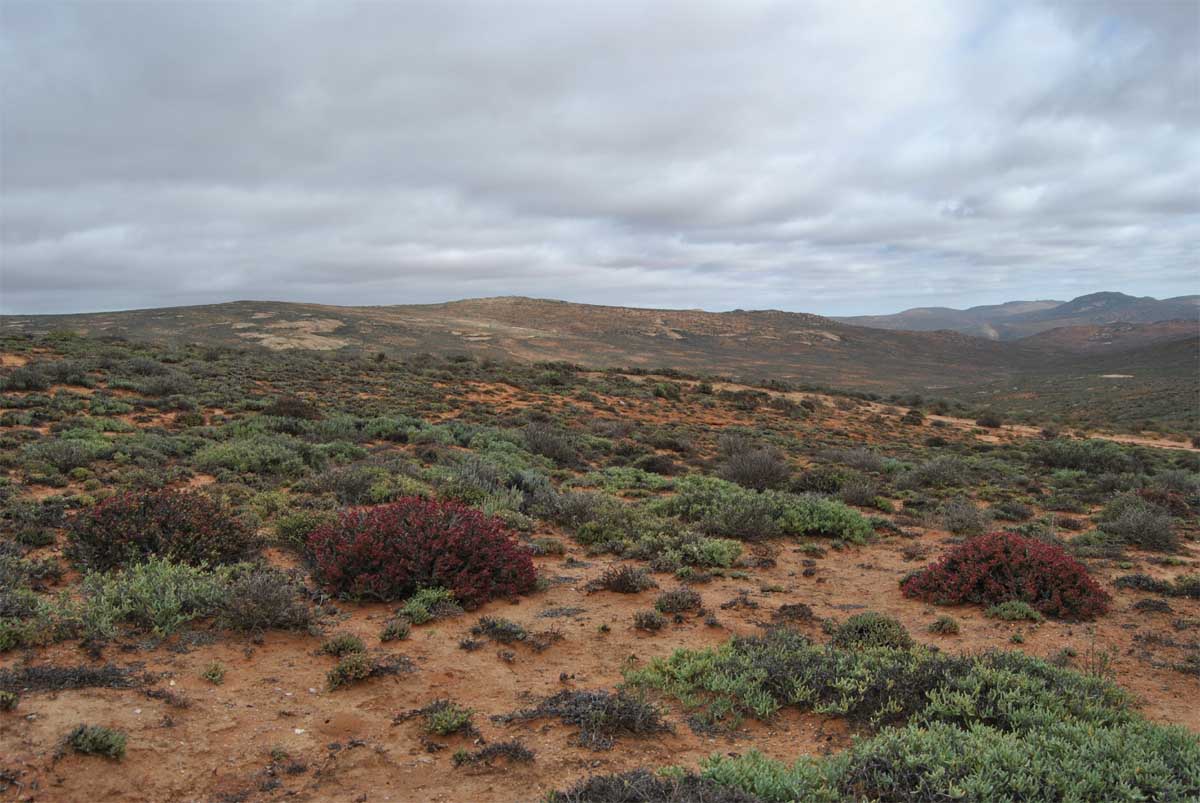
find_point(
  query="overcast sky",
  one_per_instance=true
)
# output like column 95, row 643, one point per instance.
column 834, row 157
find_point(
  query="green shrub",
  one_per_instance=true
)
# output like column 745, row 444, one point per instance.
column 96, row 740
column 944, row 626
column 8, row 700
column 429, row 604
column 214, row 673
column 870, row 629
column 351, row 668
column 396, row 629
column 260, row 454
column 1139, row 523
column 343, row 644
column 158, row 596
column 1014, row 611
column 651, row 621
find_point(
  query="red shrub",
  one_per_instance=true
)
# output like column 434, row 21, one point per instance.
column 391, row 551
column 181, row 526
column 999, row 567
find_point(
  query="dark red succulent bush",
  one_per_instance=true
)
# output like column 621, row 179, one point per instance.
column 182, row 526
column 999, row 567
column 391, row 551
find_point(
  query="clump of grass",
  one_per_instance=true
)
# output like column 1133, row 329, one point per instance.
column 442, row 718
column 8, row 700
column 214, row 673
column 623, row 580
column 678, row 601
column 343, row 644
column 396, row 629
column 97, row 740
column 512, row 751
column 1014, row 611
column 944, row 626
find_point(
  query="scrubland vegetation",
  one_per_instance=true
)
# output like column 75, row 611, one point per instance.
column 722, row 559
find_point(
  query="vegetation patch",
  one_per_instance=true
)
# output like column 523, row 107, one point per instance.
column 1003, row 567
column 392, row 551
column 599, row 715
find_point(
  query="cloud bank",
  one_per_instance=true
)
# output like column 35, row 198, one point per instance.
column 835, row 157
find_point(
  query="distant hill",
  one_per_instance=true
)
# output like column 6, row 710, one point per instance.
column 979, row 321
column 752, row 345
column 1020, row 319
column 1112, row 337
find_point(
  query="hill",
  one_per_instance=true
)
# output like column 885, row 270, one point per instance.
column 1019, row 319
column 766, row 344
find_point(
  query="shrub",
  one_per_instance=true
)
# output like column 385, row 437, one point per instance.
column 1000, row 567
column 1092, row 456
column 623, row 580
column 293, row 529
column 510, row 750
column 392, row 551
column 961, row 517
column 870, row 629
column 652, row 621
column 158, row 596
column 96, row 740
column 429, row 604
column 264, row 599
column 8, row 700
column 180, row 526
column 395, row 629
column 944, row 626
column 678, row 601
column 499, row 629
column 214, row 673
column 1014, row 611
column 990, row 420
column 643, row 786
column 600, row 715
column 351, row 668
column 293, row 407
column 756, row 468
column 1140, row 523
column 550, row 442
column 261, row 454
column 444, row 717
column 343, row 644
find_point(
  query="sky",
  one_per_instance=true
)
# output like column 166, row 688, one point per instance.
column 837, row 157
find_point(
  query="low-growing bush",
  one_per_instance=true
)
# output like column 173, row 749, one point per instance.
column 429, row 604
column 180, row 526
column 869, row 630
column 599, row 715
column 97, row 740
column 944, row 626
column 623, row 580
column 392, row 551
column 1014, row 611
column 678, row 601
column 396, row 629
column 1139, row 523
column 264, row 599
column 351, row 668
column 343, row 644
column 1000, row 567
column 651, row 621
column 759, row 468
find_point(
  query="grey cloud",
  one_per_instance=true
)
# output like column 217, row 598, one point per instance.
column 835, row 157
